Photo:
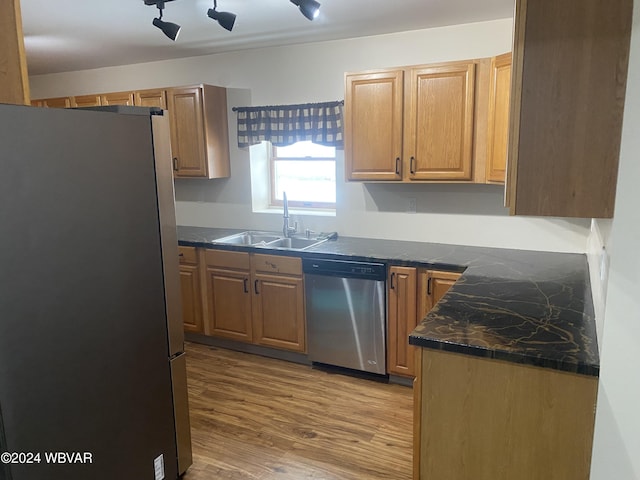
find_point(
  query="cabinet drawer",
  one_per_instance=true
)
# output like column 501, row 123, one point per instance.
column 276, row 264
column 187, row 254
column 224, row 258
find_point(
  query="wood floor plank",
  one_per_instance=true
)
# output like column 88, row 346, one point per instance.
column 257, row 418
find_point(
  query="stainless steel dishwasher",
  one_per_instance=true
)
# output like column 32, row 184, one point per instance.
column 346, row 313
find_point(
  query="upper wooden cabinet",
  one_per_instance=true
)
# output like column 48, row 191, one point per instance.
column 410, row 124
column 198, row 121
column 199, row 131
column 569, row 72
column 14, row 79
column 373, row 125
column 151, row 98
column 61, row 102
column 118, row 98
column 498, row 118
column 86, row 101
column 438, row 130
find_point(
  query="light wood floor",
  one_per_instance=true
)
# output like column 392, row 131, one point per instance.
column 260, row 418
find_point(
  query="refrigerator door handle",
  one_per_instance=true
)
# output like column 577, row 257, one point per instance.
column 168, row 232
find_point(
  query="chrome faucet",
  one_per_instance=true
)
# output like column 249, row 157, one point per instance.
column 286, row 229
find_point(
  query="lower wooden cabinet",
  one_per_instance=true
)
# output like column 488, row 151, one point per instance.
column 412, row 293
column 402, row 318
column 433, row 285
column 228, row 295
column 255, row 298
column 191, row 290
column 278, row 302
column 489, row 419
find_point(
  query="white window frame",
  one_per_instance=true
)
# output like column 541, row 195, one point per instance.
column 304, row 205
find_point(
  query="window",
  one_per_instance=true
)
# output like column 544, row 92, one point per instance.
column 307, row 172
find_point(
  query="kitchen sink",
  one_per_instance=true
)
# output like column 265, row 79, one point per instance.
column 249, row 238
column 296, row 243
column 269, row 239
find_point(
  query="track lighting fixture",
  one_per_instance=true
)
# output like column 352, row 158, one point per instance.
column 171, row 30
column 225, row 19
column 309, row 8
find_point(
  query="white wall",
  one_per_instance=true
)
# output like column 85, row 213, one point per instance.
column 469, row 214
column 616, row 453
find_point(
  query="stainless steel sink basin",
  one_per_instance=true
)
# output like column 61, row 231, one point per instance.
column 296, row 243
column 269, row 239
column 249, row 238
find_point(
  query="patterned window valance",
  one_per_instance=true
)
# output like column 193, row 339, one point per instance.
column 287, row 124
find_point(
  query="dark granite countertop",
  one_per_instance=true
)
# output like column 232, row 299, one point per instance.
column 521, row 306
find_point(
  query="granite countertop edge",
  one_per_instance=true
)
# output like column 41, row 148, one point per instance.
column 525, row 307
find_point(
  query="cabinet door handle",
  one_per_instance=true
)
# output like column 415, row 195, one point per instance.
column 245, row 284
column 392, row 286
column 181, row 254
column 397, row 165
column 175, row 163
column 255, row 287
column 429, row 286
column 411, row 167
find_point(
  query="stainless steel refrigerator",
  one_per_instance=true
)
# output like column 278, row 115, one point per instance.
column 92, row 369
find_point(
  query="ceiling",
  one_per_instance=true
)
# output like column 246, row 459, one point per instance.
column 69, row 35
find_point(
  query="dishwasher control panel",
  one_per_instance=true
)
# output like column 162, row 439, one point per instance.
column 347, row 269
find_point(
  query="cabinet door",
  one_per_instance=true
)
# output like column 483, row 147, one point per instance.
column 229, row 303
column 187, row 132
column 498, row 122
column 191, row 291
column 439, row 122
column 373, row 125
column 151, row 98
column 191, row 304
column 216, row 131
column 278, row 312
column 570, row 62
column 86, row 101
column 117, row 98
column 402, row 319
column 61, row 102
column 439, row 283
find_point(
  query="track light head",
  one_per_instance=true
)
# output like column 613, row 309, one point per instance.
column 309, row 8
column 171, row 30
column 225, row 19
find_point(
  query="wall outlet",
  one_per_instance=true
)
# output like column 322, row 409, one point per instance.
column 604, row 265
column 411, row 208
